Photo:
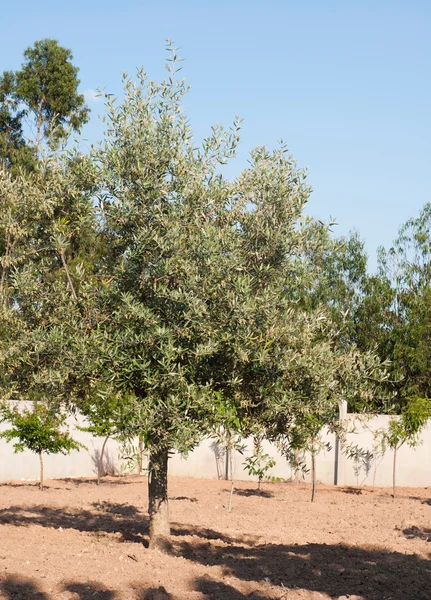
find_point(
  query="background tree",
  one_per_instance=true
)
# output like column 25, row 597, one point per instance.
column 15, row 153
column 39, row 102
column 407, row 265
column 260, row 462
column 39, row 429
column 102, row 419
column 404, row 429
column 47, row 258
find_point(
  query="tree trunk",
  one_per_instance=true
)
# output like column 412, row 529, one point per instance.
column 100, row 471
column 313, row 476
column 140, row 450
column 394, row 474
column 232, row 477
column 41, row 470
column 158, row 499
column 296, row 466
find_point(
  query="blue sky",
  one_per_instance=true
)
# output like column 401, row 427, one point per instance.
column 345, row 84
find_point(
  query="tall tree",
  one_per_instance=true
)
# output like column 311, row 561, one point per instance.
column 204, row 327
column 39, row 101
column 407, row 265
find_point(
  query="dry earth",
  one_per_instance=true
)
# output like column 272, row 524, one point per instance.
column 77, row 541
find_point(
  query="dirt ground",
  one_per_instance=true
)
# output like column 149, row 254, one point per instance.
column 77, row 541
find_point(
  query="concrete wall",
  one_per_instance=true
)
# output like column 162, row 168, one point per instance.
column 209, row 460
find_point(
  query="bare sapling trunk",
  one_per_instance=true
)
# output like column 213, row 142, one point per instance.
column 394, row 474
column 158, row 499
column 232, row 478
column 100, row 469
column 313, row 475
column 140, row 452
column 296, row 466
column 41, row 469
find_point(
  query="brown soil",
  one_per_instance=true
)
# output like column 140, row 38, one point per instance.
column 79, row 541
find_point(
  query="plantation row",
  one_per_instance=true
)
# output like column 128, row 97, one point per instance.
column 168, row 303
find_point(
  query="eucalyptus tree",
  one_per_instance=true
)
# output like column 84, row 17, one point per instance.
column 39, row 102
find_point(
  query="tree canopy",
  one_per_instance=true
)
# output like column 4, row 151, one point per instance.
column 39, row 102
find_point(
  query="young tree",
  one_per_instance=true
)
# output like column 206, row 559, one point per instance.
column 102, row 418
column 404, row 429
column 259, row 463
column 39, row 429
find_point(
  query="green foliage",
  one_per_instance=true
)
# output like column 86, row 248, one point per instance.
column 102, row 416
column 15, row 153
column 259, row 463
column 406, row 428
column 404, row 324
column 47, row 84
column 38, row 429
column 40, row 99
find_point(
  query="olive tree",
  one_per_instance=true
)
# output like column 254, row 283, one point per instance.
column 202, row 329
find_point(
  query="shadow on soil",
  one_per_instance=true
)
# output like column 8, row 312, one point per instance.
column 418, row 532
column 337, row 570
column 15, row 587
column 254, row 492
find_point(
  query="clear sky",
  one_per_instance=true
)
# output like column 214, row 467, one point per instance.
column 346, row 84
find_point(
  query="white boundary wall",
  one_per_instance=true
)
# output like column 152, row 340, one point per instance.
column 209, row 460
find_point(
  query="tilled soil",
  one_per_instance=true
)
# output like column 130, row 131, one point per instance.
column 82, row 542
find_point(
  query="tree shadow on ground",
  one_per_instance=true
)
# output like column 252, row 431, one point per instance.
column 107, row 518
column 14, row 587
column 254, row 492
column 34, row 485
column 110, row 479
column 351, row 490
column 89, row 590
column 418, row 532
column 183, row 498
column 337, row 570
column 217, row 589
